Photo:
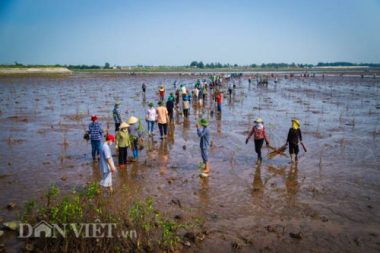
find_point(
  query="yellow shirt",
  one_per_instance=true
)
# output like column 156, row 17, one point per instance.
column 162, row 115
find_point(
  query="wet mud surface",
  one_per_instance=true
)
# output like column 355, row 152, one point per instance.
column 329, row 202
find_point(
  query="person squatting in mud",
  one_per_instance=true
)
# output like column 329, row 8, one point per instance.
column 294, row 137
column 258, row 131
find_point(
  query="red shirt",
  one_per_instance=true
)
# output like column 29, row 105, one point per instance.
column 219, row 98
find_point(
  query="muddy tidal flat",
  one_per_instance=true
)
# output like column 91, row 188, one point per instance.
column 328, row 202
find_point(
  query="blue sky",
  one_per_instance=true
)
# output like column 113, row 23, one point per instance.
column 176, row 32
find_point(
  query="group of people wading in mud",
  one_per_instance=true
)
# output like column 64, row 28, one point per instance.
column 129, row 133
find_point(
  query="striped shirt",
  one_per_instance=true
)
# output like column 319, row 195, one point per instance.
column 96, row 131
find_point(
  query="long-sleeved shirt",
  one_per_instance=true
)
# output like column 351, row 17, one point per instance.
column 205, row 137
column 294, row 136
column 134, row 132
column 258, row 134
column 122, row 139
column 95, row 130
column 116, row 115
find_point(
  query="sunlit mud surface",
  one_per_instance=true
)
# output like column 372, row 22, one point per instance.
column 331, row 198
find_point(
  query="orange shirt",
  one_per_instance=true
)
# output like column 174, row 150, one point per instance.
column 162, row 115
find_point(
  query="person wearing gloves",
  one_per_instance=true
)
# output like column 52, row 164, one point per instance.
column 122, row 144
column 134, row 134
column 106, row 165
column 258, row 131
column 294, row 137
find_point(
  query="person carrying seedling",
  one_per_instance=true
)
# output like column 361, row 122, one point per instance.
column 106, row 165
column 134, row 134
column 96, row 132
column 204, row 144
column 258, row 131
column 122, row 144
column 294, row 137
column 116, row 116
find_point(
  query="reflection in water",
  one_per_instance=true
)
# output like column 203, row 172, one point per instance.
column 203, row 193
column 258, row 186
column 171, row 130
column 292, row 185
column 185, row 129
column 163, row 156
column 219, row 123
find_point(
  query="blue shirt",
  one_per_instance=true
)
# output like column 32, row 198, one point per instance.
column 116, row 115
column 104, row 155
column 205, row 137
column 95, row 130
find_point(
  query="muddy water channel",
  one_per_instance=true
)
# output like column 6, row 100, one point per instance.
column 329, row 202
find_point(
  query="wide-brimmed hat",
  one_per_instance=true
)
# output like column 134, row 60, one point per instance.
column 259, row 120
column 162, row 89
column 296, row 121
column 94, row 117
column 132, row 120
column 203, row 122
column 123, row 125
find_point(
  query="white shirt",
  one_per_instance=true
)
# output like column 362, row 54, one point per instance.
column 152, row 114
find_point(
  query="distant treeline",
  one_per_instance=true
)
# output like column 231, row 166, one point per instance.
column 347, row 64
column 201, row 65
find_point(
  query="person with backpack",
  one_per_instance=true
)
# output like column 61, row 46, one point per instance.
column 258, row 131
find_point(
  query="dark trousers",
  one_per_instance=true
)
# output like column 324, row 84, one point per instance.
column 258, row 146
column 117, row 125
column 293, row 148
column 163, row 128
column 123, row 152
column 186, row 112
column 170, row 112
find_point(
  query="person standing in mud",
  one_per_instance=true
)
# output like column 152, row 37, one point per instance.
column 177, row 96
column 116, row 116
column 106, row 165
column 186, row 104
column 219, row 98
column 134, row 134
column 204, row 144
column 162, row 120
column 96, row 132
column 170, row 106
column 122, row 144
column 294, row 137
column 143, row 87
column 162, row 93
column 151, row 118
column 258, row 131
